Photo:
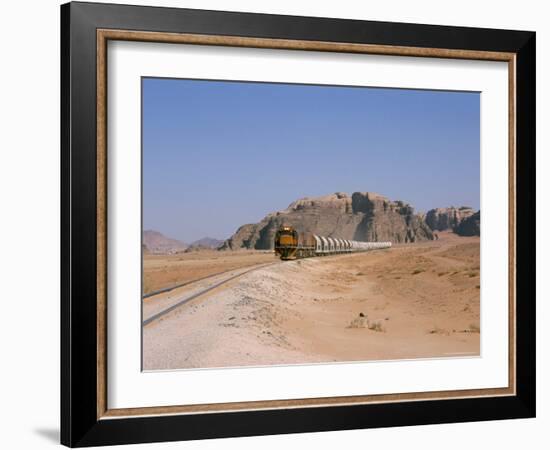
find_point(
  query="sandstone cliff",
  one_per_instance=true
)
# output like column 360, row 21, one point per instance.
column 440, row 219
column 469, row 226
column 363, row 216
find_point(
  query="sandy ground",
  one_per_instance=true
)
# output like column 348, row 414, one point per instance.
column 417, row 300
column 161, row 271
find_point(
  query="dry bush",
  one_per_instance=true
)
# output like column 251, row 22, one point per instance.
column 359, row 322
column 376, row 325
column 438, row 330
column 362, row 321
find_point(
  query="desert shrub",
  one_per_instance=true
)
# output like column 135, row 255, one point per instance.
column 359, row 322
column 376, row 325
column 438, row 330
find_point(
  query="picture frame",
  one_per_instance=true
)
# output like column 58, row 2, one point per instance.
column 86, row 418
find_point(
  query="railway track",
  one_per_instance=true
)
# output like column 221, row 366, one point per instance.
column 181, row 301
column 186, row 283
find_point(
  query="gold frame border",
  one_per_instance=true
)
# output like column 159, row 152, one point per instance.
column 103, row 36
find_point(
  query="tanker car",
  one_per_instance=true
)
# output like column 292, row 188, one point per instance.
column 290, row 244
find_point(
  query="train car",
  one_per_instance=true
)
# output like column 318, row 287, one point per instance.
column 326, row 246
column 289, row 244
column 318, row 245
column 306, row 245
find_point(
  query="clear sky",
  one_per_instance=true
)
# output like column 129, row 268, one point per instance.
column 217, row 155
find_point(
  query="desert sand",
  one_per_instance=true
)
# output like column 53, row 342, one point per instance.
column 410, row 301
column 161, row 271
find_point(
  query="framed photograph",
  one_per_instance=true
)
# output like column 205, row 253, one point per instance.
column 276, row 224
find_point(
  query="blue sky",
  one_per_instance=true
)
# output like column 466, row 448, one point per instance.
column 217, row 155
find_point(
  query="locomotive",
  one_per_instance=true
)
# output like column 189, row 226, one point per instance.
column 290, row 244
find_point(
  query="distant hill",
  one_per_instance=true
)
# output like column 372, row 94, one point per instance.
column 206, row 242
column 156, row 242
column 362, row 216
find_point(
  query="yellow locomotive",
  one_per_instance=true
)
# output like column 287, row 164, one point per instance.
column 290, row 244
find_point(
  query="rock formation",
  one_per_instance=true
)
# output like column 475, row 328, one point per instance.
column 469, row 226
column 205, row 243
column 441, row 219
column 363, row 216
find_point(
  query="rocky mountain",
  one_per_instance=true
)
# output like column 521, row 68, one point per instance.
column 156, row 242
column 363, row 216
column 205, row 243
column 441, row 219
column 469, row 226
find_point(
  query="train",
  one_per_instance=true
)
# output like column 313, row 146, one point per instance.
column 289, row 244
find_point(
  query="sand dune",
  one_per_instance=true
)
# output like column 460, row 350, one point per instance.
column 415, row 300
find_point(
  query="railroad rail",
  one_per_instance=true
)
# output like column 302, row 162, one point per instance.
column 187, row 299
column 185, row 283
